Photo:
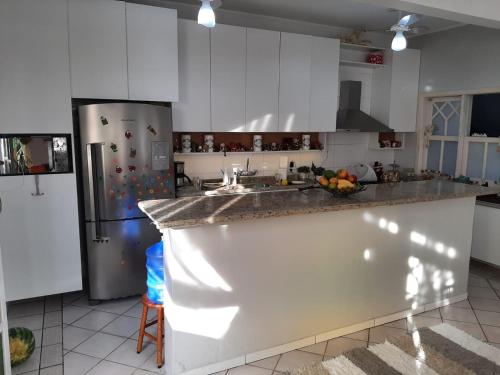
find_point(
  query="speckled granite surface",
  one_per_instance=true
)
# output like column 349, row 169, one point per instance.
column 192, row 211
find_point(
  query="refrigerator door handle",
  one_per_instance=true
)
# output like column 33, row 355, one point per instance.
column 95, row 163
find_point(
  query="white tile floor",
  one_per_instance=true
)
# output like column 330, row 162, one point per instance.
column 101, row 339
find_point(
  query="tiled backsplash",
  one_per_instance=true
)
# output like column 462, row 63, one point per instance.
column 341, row 150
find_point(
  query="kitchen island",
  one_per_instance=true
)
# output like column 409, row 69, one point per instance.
column 254, row 275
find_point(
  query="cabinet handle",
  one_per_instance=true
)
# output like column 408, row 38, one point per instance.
column 37, row 192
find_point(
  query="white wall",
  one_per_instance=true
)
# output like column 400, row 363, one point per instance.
column 460, row 59
column 341, row 150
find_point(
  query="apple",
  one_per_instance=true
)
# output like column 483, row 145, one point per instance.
column 342, row 174
column 353, row 179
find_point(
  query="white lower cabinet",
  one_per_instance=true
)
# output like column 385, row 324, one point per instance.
column 40, row 236
column 486, row 237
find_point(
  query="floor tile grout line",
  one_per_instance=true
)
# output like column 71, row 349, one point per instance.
column 41, row 337
column 480, row 325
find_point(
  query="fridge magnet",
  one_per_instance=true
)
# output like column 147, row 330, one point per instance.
column 131, row 168
column 165, row 191
column 133, row 152
column 128, row 134
column 104, row 121
column 139, row 193
column 114, row 161
column 133, row 178
column 151, row 191
column 118, row 169
column 161, row 184
column 151, row 130
column 158, row 178
column 124, row 176
column 113, row 147
column 122, row 194
column 111, row 192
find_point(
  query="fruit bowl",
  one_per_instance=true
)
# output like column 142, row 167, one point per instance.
column 342, row 193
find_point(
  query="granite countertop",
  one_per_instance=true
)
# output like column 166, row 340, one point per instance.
column 202, row 210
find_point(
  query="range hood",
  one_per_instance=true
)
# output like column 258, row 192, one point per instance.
column 349, row 115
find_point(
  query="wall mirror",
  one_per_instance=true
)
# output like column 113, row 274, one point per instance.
column 25, row 154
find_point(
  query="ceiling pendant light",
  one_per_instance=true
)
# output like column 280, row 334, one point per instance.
column 206, row 15
column 399, row 42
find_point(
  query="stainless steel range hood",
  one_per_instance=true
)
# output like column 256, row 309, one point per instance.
column 349, row 115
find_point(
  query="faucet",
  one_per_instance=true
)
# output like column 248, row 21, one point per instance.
column 236, row 174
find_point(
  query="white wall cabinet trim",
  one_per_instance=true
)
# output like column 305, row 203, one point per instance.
column 192, row 111
column 152, row 53
column 98, row 49
column 262, row 80
column 228, row 67
column 295, row 82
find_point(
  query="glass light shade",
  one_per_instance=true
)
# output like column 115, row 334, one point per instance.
column 206, row 15
column 399, row 42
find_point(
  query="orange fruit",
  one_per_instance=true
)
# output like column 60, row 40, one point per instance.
column 323, row 181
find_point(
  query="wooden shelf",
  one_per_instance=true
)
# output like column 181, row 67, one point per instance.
column 361, row 64
column 246, row 153
column 361, row 47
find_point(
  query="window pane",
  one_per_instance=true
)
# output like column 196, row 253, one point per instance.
column 450, row 158
column 433, row 155
column 438, row 123
column 493, row 163
column 475, row 160
column 453, row 125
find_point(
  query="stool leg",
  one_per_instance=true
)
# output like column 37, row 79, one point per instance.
column 144, row 319
column 159, row 338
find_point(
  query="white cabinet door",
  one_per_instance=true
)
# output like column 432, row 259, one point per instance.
column 262, row 80
column 325, row 55
column 40, row 236
column 152, row 53
column 98, row 49
column 228, row 60
column 295, row 82
column 34, row 67
column 192, row 112
column 404, row 90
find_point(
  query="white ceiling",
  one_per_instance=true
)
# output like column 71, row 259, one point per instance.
column 346, row 13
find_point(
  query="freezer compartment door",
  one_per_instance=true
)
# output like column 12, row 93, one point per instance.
column 126, row 156
column 117, row 263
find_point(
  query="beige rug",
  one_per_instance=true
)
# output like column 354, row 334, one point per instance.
column 442, row 349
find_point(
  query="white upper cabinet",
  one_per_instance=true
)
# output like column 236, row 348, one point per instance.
column 228, row 68
column 404, row 90
column 34, row 67
column 295, row 82
column 98, row 49
column 192, row 111
column 325, row 53
column 152, row 53
column 262, row 80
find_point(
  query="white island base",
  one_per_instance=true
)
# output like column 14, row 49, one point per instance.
column 247, row 290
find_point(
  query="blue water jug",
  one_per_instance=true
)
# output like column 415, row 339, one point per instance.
column 155, row 270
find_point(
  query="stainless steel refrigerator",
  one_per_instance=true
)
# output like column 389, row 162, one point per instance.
column 127, row 157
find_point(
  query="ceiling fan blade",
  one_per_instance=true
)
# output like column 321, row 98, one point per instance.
column 418, row 29
column 408, row 20
column 216, row 4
